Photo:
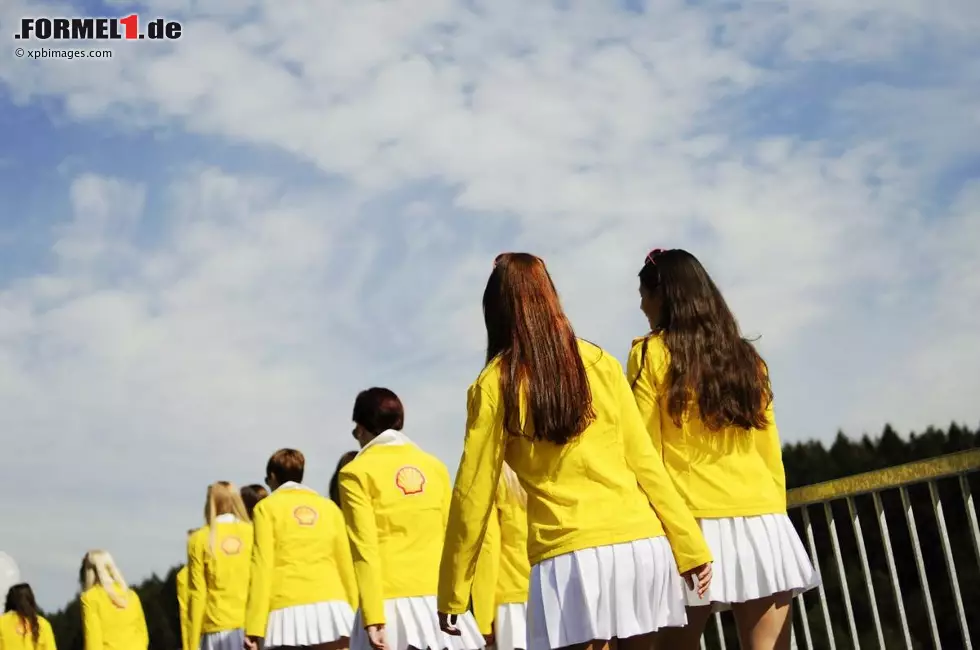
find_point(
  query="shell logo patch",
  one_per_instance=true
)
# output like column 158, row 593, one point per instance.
column 231, row 545
column 305, row 515
column 410, row 480
column 21, row 628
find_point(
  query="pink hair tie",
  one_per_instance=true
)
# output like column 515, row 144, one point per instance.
column 651, row 256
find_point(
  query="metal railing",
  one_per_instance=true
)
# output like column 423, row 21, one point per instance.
column 876, row 493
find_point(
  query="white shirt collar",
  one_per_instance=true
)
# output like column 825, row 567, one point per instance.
column 227, row 518
column 293, row 485
column 387, row 438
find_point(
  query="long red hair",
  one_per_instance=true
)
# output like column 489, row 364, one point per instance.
column 528, row 332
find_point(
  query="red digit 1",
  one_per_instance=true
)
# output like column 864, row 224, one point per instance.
column 131, row 23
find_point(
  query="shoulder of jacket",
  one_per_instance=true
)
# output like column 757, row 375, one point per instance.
column 489, row 376
column 435, row 462
column 201, row 533
column 654, row 344
column 355, row 467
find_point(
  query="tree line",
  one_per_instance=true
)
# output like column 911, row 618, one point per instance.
column 806, row 463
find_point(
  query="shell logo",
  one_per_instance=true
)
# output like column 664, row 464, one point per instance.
column 231, row 545
column 21, row 628
column 410, row 480
column 305, row 515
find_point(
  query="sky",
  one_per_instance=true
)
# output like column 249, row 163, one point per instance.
column 209, row 246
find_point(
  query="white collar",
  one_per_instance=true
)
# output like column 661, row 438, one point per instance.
column 227, row 518
column 388, row 438
column 293, row 485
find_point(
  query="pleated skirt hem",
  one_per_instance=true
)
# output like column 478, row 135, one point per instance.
column 223, row 640
column 510, row 627
column 305, row 625
column 606, row 592
column 413, row 622
column 754, row 557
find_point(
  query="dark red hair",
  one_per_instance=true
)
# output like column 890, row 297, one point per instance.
column 528, row 332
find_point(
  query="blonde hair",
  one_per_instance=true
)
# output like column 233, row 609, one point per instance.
column 98, row 568
column 223, row 499
column 511, row 487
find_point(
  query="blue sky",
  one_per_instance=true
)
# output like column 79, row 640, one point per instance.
column 209, row 247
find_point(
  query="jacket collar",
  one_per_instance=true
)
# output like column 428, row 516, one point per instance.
column 387, row 438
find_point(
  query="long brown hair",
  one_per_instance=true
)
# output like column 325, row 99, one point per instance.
column 527, row 330
column 20, row 599
column 711, row 363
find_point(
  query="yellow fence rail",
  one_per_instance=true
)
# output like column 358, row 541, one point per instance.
column 962, row 462
column 820, row 497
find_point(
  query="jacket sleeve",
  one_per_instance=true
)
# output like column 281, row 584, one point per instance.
column 91, row 624
column 771, row 449
column 46, row 637
column 642, row 370
column 185, row 621
column 345, row 563
column 484, row 595
column 197, row 588
column 686, row 541
column 260, row 572
column 362, row 531
column 473, row 496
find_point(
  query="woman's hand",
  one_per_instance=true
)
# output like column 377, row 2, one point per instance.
column 377, row 637
column 252, row 643
column 447, row 623
column 703, row 576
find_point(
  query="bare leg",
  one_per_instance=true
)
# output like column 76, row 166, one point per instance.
column 687, row 637
column 764, row 624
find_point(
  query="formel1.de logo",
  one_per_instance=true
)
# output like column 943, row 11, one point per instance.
column 130, row 28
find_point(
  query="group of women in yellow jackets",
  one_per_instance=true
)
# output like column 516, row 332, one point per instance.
column 592, row 507
column 653, row 497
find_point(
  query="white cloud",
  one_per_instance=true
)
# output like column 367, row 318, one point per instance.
column 188, row 324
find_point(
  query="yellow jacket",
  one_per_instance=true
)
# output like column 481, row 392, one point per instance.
column 301, row 555
column 217, row 584
column 726, row 473
column 396, row 499
column 185, row 629
column 16, row 633
column 502, row 570
column 596, row 490
column 108, row 627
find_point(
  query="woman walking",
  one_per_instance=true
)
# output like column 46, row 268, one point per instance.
column 302, row 590
column 218, row 560
column 112, row 614
column 21, row 626
column 500, row 586
column 559, row 411
column 704, row 393
column 395, row 499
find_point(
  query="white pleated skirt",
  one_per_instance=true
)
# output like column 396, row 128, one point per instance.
column 606, row 592
column 510, row 626
column 224, row 640
column 754, row 557
column 414, row 622
column 311, row 624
